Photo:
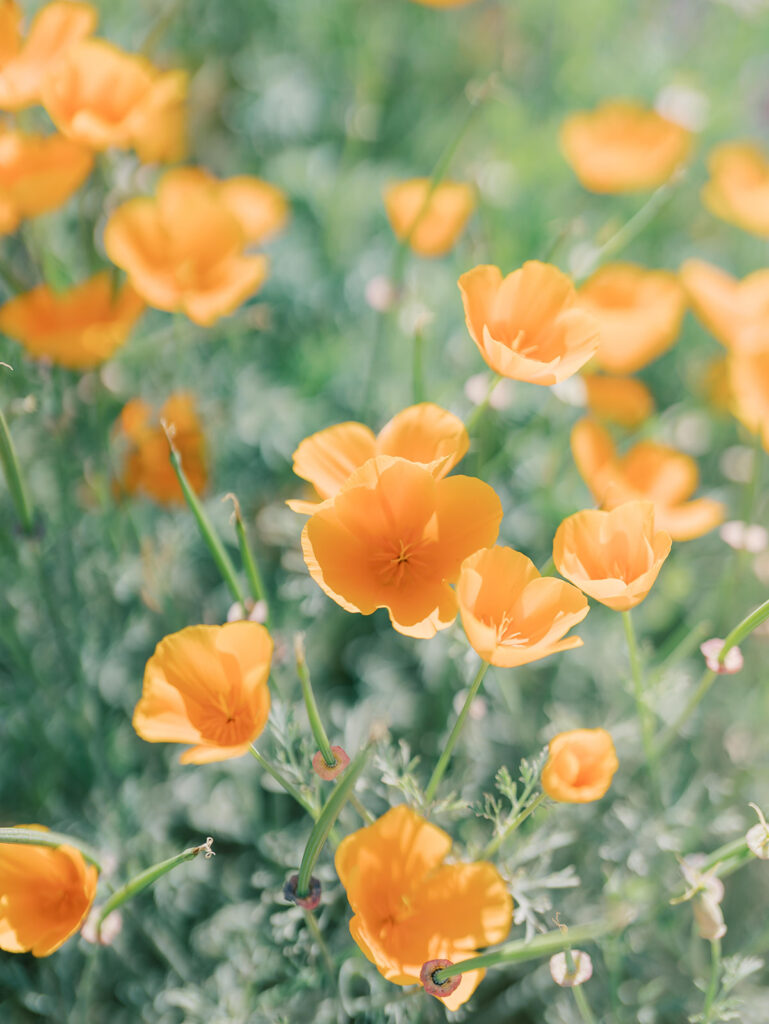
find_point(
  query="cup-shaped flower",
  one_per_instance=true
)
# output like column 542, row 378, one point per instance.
column 613, row 557
column 528, row 325
column 649, row 472
column 45, row 895
column 25, row 63
column 738, row 188
column 395, row 537
column 430, row 220
column 638, row 312
column 622, row 400
column 207, row 686
column 749, row 386
column 511, row 614
column 410, row 907
column 38, row 173
column 622, row 146
column 580, row 766
column 78, row 328
column 735, row 312
column 422, row 433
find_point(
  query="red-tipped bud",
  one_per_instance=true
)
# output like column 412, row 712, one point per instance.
column 310, row 901
column 436, row 988
column 330, row 771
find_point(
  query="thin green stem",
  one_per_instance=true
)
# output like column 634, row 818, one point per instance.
column 15, row 478
column 281, row 779
column 314, row 929
column 491, row 848
column 302, row 670
column 366, row 815
column 582, row 1005
column 547, row 567
column 34, row 837
column 417, row 367
column 250, row 564
column 644, row 717
column 715, row 973
column 443, row 761
column 477, row 414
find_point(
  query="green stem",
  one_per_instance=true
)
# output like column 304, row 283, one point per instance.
column 547, row 567
column 647, row 726
column 365, row 815
column 313, row 928
column 15, row 477
column 321, row 738
column 417, row 367
column 491, row 848
column 33, row 837
column 250, row 565
column 281, row 779
column 715, row 972
column 443, row 761
column 480, row 409
column 582, row 1005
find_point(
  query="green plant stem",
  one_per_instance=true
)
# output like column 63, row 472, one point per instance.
column 314, row 929
column 582, row 1005
column 443, row 760
column 302, row 670
column 33, row 837
column 644, row 718
column 491, row 848
column 715, row 972
column 547, row 567
column 477, row 414
column 417, row 367
column 15, row 478
column 365, row 815
column 250, row 564
column 281, row 779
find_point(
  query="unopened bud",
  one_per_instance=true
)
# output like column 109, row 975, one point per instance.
column 708, row 917
column 110, row 928
column 436, row 988
column 758, row 836
column 330, row 771
column 310, row 901
column 568, row 975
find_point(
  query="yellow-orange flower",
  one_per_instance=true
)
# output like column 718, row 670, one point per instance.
column 45, row 895
column 580, row 766
column 79, row 328
column 749, row 381
column 638, row 312
column 622, row 146
column 648, row 471
column 394, row 537
column 511, row 614
column 431, row 221
column 528, row 325
column 622, row 400
column 444, row 3
column 207, row 685
column 102, row 97
column 147, row 468
column 410, row 907
column 615, row 556
column 422, row 433
column 37, row 174
column 24, row 63
column 735, row 312
column 738, row 188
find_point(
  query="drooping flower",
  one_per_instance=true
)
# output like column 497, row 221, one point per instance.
column 207, row 686
column 648, row 471
column 45, row 895
column 147, row 468
column 422, row 433
column 79, row 328
column 735, row 312
column 580, row 766
column 738, row 188
column 638, row 311
column 511, row 614
column 622, row 146
column 102, row 97
column 432, row 221
column 410, row 907
column 613, row 557
column 528, row 325
column 24, row 63
column 394, row 537
column 622, row 400
column 38, row 173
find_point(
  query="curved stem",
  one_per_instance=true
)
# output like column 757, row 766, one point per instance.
column 582, row 1005
column 250, row 565
column 34, row 837
column 715, row 972
column 491, row 848
column 443, row 761
column 316, row 725
column 281, row 779
column 15, row 477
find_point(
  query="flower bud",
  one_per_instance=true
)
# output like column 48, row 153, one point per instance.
column 732, row 662
column 433, row 987
column 330, row 771
column 566, row 975
column 110, row 928
column 310, row 901
column 708, row 917
column 758, row 836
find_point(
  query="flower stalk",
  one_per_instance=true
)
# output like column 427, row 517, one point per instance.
column 36, row 837
column 282, row 781
column 250, row 565
column 318, row 732
column 443, row 760
column 15, row 478
column 491, row 848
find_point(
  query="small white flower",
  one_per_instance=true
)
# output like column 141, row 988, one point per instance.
column 711, row 649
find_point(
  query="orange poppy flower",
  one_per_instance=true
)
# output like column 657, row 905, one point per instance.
column 613, row 557
column 25, row 64
column 37, row 174
column 638, row 312
column 735, row 312
column 622, row 400
column 738, row 188
column 183, row 250
column 410, row 907
column 715, row 386
column 622, row 146
column 527, row 325
column 79, row 328
column 260, row 208
column 749, row 383
column 394, row 537
column 147, row 467
column 511, row 614
column 430, row 221
column 422, row 433
column 207, row 685
column 648, row 471
column 102, row 97
column 45, row 895
column 580, row 766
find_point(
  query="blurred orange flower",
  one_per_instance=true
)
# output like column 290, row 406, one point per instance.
column 102, row 97
column 45, row 895
column 622, row 146
column 207, row 685
column 527, row 325
column 430, row 221
column 613, row 557
column 738, row 188
column 25, row 64
column 648, row 471
column 638, row 312
column 749, row 382
column 37, row 174
column 715, row 385
column 511, row 614
column 580, row 766
column 735, row 312
column 147, row 467
column 422, row 433
column 394, row 537
column 410, row 907
column 79, row 328
column 622, row 400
